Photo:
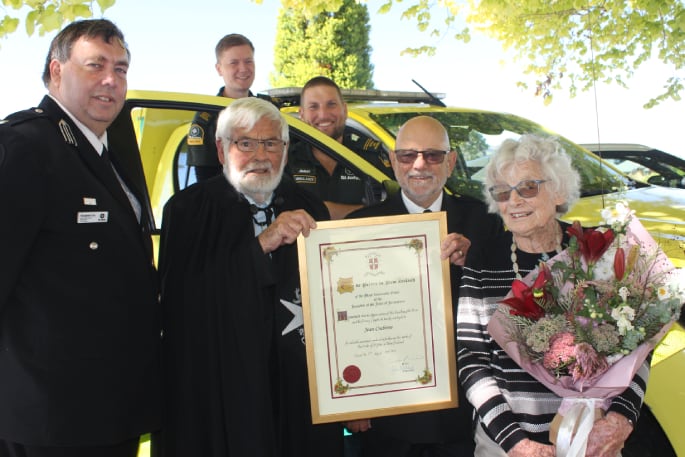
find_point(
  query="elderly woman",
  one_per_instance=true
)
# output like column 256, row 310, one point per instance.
column 530, row 183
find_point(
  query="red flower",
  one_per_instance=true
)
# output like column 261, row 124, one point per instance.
column 525, row 300
column 619, row 263
column 591, row 243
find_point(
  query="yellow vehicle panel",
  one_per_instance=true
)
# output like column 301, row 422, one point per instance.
column 665, row 393
column 161, row 121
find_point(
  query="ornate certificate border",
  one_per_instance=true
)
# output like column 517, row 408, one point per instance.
column 377, row 310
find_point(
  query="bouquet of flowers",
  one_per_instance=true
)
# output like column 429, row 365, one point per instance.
column 584, row 322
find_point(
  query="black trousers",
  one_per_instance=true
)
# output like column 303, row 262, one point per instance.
column 128, row 448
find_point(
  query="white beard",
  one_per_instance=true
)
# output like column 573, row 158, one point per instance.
column 257, row 187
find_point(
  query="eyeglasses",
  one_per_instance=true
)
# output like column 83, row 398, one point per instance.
column 528, row 188
column 251, row 145
column 431, row 156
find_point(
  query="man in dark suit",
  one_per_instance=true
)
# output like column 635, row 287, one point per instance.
column 422, row 162
column 79, row 308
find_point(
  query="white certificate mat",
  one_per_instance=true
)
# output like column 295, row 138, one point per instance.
column 377, row 309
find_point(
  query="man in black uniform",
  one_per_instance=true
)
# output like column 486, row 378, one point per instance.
column 422, row 161
column 235, row 64
column 235, row 370
column 79, row 312
column 322, row 107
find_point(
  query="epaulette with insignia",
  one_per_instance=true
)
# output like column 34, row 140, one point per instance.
column 23, row 116
column 368, row 148
column 362, row 142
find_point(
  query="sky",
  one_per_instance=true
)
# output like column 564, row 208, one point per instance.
column 172, row 45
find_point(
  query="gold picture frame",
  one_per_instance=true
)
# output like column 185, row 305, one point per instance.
column 377, row 309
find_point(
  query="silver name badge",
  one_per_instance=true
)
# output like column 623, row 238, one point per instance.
column 91, row 217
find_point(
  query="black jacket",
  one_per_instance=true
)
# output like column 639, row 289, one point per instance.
column 79, row 312
column 220, row 295
column 470, row 218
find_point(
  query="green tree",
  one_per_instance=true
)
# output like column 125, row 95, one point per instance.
column 329, row 43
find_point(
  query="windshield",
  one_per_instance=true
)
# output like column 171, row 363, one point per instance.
column 476, row 135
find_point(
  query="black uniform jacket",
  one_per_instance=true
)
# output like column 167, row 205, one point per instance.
column 344, row 185
column 201, row 141
column 79, row 311
column 470, row 218
column 219, row 292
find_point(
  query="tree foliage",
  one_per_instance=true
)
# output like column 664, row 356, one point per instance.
column 564, row 44
column 573, row 44
column 328, row 43
column 45, row 16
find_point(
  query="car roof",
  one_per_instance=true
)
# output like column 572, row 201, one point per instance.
column 290, row 96
column 631, row 147
column 637, row 151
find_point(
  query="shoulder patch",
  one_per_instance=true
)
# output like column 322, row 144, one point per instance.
column 205, row 115
column 196, row 135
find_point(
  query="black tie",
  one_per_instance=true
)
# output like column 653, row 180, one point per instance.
column 427, row 211
column 268, row 214
column 108, row 163
column 133, row 200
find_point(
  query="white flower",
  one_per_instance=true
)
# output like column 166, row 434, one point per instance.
column 623, row 316
column 663, row 292
column 618, row 216
column 607, row 215
column 604, row 268
column 623, row 293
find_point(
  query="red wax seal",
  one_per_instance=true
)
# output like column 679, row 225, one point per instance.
column 352, row 373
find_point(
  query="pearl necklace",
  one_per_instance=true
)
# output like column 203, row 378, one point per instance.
column 514, row 258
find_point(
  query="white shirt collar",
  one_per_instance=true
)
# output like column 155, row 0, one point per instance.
column 266, row 203
column 92, row 138
column 413, row 208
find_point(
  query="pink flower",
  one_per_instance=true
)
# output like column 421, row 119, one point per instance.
column 589, row 364
column 561, row 352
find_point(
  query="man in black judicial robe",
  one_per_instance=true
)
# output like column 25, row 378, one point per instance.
column 227, row 259
column 422, row 162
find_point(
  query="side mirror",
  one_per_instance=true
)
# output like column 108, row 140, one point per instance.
column 658, row 180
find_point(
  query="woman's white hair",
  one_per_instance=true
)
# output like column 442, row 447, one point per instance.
column 547, row 152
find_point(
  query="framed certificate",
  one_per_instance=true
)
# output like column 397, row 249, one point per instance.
column 378, row 321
